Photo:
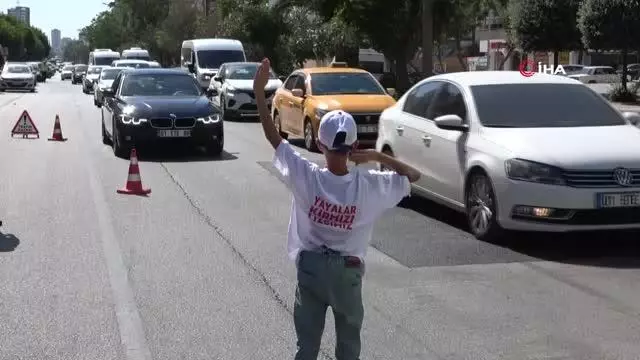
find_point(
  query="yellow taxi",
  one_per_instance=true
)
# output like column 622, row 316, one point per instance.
column 307, row 94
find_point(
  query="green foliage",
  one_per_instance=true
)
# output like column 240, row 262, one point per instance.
column 76, row 51
column 545, row 25
column 261, row 28
column 620, row 93
column 393, row 27
column 610, row 24
column 25, row 43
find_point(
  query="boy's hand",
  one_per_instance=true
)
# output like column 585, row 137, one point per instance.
column 361, row 156
column 262, row 75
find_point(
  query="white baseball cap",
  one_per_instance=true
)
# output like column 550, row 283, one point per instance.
column 338, row 131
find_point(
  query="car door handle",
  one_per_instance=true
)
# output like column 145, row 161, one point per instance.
column 426, row 139
column 400, row 130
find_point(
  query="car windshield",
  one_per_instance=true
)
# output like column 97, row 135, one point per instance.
column 134, row 65
column 19, row 70
column 105, row 60
column 138, row 57
column 110, row 74
column 160, row 85
column 345, row 83
column 68, row 67
column 245, row 72
column 542, row 106
column 213, row 59
column 94, row 70
column 81, row 68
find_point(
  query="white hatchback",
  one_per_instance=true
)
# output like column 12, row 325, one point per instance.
column 543, row 153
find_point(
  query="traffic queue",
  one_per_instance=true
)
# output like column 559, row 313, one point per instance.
column 479, row 153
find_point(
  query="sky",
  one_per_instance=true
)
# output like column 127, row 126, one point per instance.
column 68, row 16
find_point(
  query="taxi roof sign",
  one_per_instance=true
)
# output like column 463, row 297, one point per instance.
column 338, row 64
column 25, row 126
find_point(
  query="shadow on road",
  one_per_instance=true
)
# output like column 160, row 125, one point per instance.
column 8, row 242
column 168, row 155
column 613, row 249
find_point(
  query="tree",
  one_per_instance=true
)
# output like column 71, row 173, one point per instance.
column 25, row 43
column 545, row 25
column 76, row 51
column 260, row 27
column 611, row 24
column 312, row 37
column 391, row 27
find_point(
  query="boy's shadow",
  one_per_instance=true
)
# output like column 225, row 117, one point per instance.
column 8, row 242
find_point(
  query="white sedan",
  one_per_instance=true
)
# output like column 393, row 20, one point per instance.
column 597, row 75
column 543, row 153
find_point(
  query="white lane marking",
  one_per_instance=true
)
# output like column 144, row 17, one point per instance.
column 132, row 335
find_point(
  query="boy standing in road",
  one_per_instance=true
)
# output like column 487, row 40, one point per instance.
column 332, row 217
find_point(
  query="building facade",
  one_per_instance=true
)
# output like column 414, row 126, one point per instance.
column 64, row 43
column 56, row 41
column 22, row 13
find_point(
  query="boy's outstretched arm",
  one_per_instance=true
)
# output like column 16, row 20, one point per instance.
column 259, row 83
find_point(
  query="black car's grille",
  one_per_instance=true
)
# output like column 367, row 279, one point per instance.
column 363, row 119
column 248, row 107
column 597, row 179
column 162, row 123
column 165, row 123
column 185, row 123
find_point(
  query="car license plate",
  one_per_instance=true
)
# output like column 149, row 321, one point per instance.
column 618, row 200
column 174, row 133
column 367, row 128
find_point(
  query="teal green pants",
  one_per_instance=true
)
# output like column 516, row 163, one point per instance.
column 327, row 279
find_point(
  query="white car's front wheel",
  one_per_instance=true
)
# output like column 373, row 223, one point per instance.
column 481, row 205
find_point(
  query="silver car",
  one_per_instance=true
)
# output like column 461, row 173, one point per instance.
column 91, row 78
column 66, row 72
column 105, row 79
column 232, row 87
column 17, row 77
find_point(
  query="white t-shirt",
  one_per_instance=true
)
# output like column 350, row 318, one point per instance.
column 335, row 211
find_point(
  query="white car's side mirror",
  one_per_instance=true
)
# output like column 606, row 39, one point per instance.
column 451, row 122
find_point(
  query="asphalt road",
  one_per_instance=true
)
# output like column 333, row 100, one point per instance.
column 198, row 269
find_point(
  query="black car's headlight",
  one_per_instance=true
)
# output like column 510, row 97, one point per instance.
column 525, row 170
column 211, row 119
column 132, row 120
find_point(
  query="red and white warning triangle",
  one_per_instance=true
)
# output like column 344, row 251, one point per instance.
column 25, row 125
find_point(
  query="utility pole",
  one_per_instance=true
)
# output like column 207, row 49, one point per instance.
column 427, row 37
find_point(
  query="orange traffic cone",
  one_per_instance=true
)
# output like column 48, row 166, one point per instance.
column 57, row 131
column 134, row 181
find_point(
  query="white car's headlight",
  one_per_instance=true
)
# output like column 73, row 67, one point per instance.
column 525, row 170
column 211, row 119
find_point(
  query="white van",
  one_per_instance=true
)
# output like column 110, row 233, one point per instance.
column 203, row 57
column 374, row 62
column 136, row 53
column 103, row 57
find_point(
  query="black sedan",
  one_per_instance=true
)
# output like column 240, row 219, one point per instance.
column 79, row 71
column 159, row 106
